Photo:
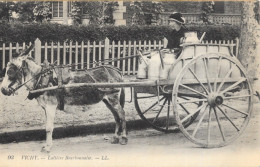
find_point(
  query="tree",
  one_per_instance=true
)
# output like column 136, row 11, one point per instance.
column 99, row 12
column 207, row 8
column 247, row 46
column 6, row 10
column 33, row 11
column 42, row 11
column 145, row 12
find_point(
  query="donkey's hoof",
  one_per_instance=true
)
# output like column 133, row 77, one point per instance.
column 124, row 141
column 115, row 140
column 46, row 149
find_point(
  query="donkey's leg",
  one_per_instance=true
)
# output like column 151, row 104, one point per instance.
column 115, row 139
column 121, row 114
column 50, row 111
column 113, row 100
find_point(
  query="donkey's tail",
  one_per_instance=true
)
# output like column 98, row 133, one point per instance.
column 122, row 97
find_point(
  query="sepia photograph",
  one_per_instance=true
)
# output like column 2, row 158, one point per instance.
column 130, row 83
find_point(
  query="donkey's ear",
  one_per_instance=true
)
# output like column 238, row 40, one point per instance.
column 27, row 51
column 16, row 54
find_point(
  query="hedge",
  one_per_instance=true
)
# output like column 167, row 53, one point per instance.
column 48, row 32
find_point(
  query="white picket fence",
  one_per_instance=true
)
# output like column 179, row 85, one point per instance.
column 83, row 54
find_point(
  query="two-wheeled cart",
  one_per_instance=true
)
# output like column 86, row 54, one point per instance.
column 207, row 96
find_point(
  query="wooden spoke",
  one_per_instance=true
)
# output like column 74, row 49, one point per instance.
column 235, row 109
column 236, row 97
column 209, row 125
column 192, row 101
column 208, row 100
column 218, row 71
column 207, row 74
column 159, row 111
column 168, row 115
column 184, row 109
column 144, row 97
column 199, row 81
column 224, row 79
column 193, row 90
column 228, row 118
column 153, row 105
column 198, row 125
column 191, row 114
column 233, row 85
column 187, row 99
column 219, row 125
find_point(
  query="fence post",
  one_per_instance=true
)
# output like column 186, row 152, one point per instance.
column 106, row 54
column 165, row 42
column 38, row 56
column 237, row 45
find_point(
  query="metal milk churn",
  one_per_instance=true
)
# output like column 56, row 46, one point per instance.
column 143, row 66
column 169, row 59
column 191, row 37
column 236, row 71
column 225, row 66
column 154, row 66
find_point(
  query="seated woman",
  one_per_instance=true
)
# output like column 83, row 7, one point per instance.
column 176, row 21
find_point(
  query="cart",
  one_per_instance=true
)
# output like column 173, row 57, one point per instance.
column 207, row 96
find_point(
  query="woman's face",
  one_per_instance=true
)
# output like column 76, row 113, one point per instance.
column 174, row 25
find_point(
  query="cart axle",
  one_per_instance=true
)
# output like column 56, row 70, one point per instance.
column 215, row 100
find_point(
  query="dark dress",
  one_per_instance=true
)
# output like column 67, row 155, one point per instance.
column 174, row 38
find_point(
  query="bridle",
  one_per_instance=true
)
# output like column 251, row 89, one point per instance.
column 14, row 72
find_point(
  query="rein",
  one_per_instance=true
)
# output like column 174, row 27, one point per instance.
column 62, row 66
column 97, row 62
column 38, row 75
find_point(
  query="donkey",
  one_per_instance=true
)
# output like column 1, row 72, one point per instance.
column 22, row 70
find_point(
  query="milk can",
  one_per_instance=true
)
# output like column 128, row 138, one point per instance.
column 154, row 66
column 142, row 67
column 224, row 67
column 236, row 71
column 169, row 59
column 174, row 71
column 191, row 37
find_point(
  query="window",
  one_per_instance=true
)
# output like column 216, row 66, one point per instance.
column 69, row 7
column 219, row 7
column 57, row 9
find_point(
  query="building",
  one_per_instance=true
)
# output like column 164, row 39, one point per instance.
column 227, row 12
column 224, row 12
column 60, row 12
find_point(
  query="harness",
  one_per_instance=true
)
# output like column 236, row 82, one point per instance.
column 13, row 73
column 47, row 71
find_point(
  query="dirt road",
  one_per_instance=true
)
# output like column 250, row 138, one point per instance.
column 145, row 148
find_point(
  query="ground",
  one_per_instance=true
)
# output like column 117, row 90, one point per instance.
column 19, row 113
column 146, row 147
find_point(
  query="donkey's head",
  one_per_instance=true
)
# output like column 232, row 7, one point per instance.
column 15, row 72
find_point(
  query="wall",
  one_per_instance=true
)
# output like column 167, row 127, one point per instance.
column 230, row 7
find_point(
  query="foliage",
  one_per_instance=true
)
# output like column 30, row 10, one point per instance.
column 217, row 32
column 42, row 10
column 6, row 10
column 207, row 8
column 34, row 11
column 99, row 12
column 145, row 12
column 48, row 32
column 25, row 11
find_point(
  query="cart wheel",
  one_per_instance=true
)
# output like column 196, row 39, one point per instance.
column 226, row 96
column 158, row 115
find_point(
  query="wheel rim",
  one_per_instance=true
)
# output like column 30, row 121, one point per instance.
column 226, row 106
column 160, row 115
